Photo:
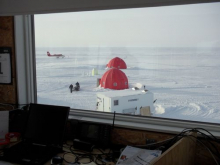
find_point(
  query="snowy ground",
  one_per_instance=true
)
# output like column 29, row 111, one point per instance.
column 185, row 82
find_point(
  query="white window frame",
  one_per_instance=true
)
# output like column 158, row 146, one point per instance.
column 25, row 58
column 26, row 84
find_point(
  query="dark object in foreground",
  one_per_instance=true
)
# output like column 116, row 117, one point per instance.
column 43, row 136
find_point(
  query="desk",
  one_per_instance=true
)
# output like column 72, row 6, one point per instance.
column 69, row 157
column 181, row 153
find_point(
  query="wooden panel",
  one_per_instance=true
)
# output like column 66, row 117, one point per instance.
column 181, row 153
column 136, row 137
column 8, row 92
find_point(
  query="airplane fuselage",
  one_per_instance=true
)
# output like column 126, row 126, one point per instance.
column 55, row 55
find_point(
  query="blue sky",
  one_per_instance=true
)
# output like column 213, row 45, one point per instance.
column 172, row 26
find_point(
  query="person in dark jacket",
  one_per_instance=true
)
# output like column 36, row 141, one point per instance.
column 76, row 88
column 71, row 88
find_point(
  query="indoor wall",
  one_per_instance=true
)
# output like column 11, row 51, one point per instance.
column 8, row 92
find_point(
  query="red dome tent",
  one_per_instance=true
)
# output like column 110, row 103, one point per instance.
column 117, row 63
column 114, row 79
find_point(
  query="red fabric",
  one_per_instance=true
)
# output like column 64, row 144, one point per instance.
column 117, row 63
column 113, row 76
column 12, row 136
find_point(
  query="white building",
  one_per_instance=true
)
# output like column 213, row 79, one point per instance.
column 125, row 101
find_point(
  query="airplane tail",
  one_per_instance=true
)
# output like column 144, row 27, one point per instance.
column 48, row 53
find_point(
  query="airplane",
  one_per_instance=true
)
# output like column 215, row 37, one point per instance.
column 54, row 55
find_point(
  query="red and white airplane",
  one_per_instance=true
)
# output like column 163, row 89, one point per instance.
column 55, row 55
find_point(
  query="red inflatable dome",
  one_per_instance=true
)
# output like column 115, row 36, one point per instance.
column 114, row 79
column 117, row 63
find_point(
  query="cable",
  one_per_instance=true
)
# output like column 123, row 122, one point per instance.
column 13, row 107
column 7, row 105
column 177, row 137
column 205, row 147
column 182, row 134
column 213, row 145
column 3, row 108
column 100, row 159
column 15, row 104
column 79, row 156
column 212, row 138
column 65, row 158
column 215, row 139
column 146, row 145
column 172, row 140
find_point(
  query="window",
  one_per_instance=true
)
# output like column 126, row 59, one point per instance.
column 25, row 63
column 115, row 102
column 173, row 51
column 115, row 84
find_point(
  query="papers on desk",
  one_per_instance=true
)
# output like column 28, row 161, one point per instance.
column 137, row 156
column 4, row 119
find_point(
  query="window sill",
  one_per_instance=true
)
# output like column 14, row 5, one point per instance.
column 143, row 123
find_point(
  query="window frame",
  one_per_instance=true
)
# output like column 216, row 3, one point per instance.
column 27, row 91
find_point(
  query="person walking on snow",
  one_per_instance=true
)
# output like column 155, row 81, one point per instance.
column 71, row 88
column 77, row 84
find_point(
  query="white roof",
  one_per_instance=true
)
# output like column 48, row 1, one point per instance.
column 125, row 92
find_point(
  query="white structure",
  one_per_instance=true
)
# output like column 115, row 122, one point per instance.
column 94, row 72
column 125, row 101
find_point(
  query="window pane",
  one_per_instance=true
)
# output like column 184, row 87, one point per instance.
column 115, row 102
column 166, row 58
